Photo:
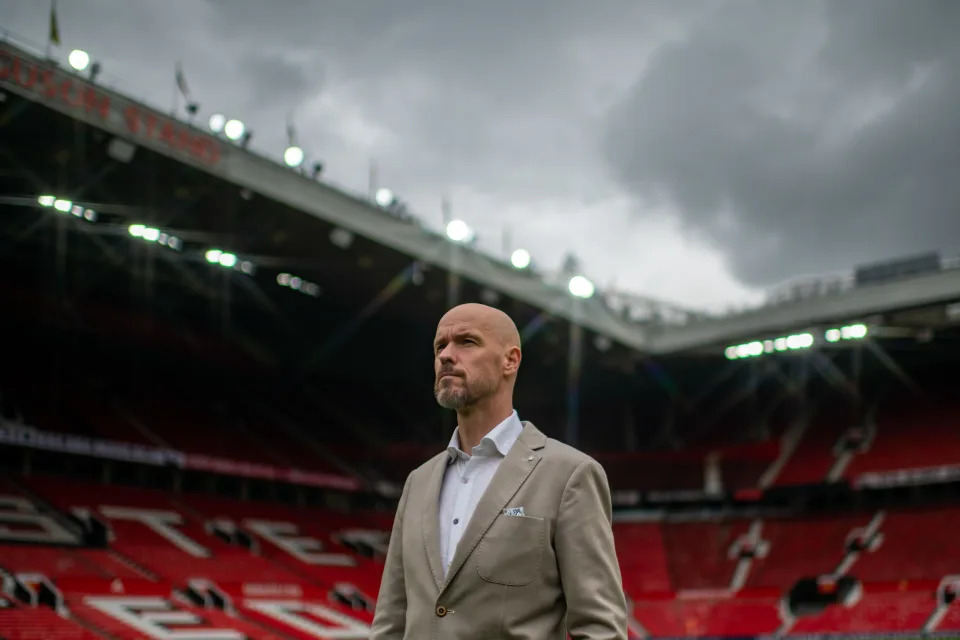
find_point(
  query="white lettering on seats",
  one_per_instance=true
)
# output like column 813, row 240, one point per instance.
column 152, row 615
column 29, row 525
column 307, row 550
column 341, row 627
column 162, row 523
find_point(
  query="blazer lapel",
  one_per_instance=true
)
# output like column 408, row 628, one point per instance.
column 510, row 476
column 430, row 519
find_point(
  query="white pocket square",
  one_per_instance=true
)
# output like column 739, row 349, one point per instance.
column 514, row 511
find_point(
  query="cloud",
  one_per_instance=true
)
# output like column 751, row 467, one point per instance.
column 802, row 137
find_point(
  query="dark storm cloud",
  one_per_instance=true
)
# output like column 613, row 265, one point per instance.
column 278, row 79
column 803, row 137
column 470, row 84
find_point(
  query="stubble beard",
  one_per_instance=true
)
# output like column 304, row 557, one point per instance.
column 459, row 398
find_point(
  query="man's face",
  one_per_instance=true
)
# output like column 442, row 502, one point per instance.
column 467, row 363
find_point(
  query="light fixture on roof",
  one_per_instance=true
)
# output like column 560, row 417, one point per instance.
column 152, row 234
column 520, row 259
column 298, row 284
column 79, row 59
column 459, row 231
column 234, row 129
column 755, row 348
column 293, row 156
column 581, row 287
column 217, row 122
column 384, row 197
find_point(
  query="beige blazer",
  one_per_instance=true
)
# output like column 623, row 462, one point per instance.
column 537, row 576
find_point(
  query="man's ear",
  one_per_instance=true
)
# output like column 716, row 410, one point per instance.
column 511, row 360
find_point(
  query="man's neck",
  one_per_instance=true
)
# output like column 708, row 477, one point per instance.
column 478, row 421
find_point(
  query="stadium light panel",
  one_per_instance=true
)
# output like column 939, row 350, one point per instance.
column 854, row 332
column 213, row 255
column 151, row 234
column 63, row 206
column 581, row 287
column 217, row 122
column 832, row 335
column 46, row 200
column 298, row 284
column 228, row 260
column 79, row 59
column 234, row 129
column 293, row 157
column 520, row 259
column 136, row 230
column 90, row 215
column 458, row 231
column 760, row 347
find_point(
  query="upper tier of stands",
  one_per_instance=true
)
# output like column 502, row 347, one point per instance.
column 910, row 437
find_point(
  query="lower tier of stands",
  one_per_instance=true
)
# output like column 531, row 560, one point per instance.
column 265, row 570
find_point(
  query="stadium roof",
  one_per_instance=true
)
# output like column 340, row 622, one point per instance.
column 265, row 190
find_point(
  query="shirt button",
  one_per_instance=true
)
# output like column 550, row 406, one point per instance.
column 456, row 521
column 441, row 611
column 465, row 480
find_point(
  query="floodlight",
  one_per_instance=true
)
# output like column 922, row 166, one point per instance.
column 384, row 197
column 458, row 231
column 217, row 122
column 46, row 201
column 150, row 234
column 520, row 259
column 832, row 335
column 581, row 287
column 213, row 256
column 79, row 59
column 63, row 206
column 228, row 260
column 293, row 156
column 234, row 129
column 136, row 230
column 730, row 353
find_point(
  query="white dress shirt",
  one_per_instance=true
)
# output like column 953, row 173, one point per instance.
column 467, row 478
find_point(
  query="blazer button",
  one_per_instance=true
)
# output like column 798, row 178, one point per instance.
column 441, row 611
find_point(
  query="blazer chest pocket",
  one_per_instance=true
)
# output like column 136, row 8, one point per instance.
column 511, row 551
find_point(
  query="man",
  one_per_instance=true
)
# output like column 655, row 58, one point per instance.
column 507, row 533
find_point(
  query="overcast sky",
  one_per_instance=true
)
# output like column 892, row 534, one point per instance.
column 697, row 151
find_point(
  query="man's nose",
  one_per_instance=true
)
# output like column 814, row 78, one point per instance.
column 446, row 355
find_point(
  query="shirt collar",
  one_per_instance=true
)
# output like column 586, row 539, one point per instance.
column 500, row 439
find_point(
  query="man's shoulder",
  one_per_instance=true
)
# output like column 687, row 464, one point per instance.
column 565, row 459
column 426, row 467
column 562, row 453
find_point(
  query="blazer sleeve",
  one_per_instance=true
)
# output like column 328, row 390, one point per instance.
column 589, row 571
column 390, row 615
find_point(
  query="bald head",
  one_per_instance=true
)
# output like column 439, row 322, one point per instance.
column 497, row 324
column 476, row 356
